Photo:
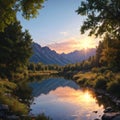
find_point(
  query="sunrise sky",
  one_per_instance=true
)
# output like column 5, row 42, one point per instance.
column 58, row 26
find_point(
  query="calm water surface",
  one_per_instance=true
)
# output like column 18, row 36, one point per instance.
column 62, row 99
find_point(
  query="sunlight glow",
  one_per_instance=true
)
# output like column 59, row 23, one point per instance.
column 75, row 43
column 87, row 43
column 87, row 97
column 77, row 102
column 75, row 96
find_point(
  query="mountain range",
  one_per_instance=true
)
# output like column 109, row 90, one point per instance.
column 47, row 56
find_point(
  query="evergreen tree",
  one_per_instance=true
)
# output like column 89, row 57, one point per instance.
column 15, row 50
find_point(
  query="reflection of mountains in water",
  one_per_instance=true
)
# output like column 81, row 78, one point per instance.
column 47, row 85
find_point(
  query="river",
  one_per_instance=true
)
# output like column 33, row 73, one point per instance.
column 63, row 99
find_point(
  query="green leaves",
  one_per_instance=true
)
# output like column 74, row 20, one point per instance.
column 9, row 9
column 30, row 8
column 102, row 16
column 15, row 51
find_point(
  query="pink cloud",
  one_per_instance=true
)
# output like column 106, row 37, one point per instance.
column 72, row 44
column 66, row 46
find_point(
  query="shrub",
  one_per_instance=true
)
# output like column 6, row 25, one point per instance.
column 95, row 70
column 103, row 69
column 100, row 82
column 109, row 75
column 114, row 88
column 42, row 117
column 81, row 81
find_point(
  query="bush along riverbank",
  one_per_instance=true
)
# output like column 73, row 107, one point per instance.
column 104, row 82
column 14, row 105
column 7, row 114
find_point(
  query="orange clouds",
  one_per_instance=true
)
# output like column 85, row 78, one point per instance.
column 75, row 43
column 65, row 46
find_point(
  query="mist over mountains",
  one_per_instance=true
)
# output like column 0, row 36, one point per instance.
column 47, row 56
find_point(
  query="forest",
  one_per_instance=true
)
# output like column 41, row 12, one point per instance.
column 101, row 71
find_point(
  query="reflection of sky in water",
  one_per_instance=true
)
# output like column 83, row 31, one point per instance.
column 66, row 103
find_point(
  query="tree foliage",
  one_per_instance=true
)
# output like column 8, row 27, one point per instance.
column 111, row 52
column 102, row 16
column 15, row 48
column 9, row 8
column 42, row 67
column 103, row 19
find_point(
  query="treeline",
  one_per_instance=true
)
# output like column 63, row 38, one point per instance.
column 103, row 20
column 101, row 71
column 42, row 67
column 15, row 50
column 107, row 55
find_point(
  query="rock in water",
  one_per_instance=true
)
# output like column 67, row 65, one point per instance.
column 117, row 118
column 111, row 116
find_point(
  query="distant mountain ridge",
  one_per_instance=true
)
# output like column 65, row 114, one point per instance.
column 48, row 56
column 79, row 55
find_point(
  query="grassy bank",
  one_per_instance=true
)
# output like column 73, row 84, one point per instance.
column 100, row 78
column 38, row 73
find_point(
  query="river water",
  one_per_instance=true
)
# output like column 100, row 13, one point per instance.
column 63, row 99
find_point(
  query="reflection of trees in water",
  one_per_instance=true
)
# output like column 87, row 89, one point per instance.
column 102, row 100
column 106, row 102
column 24, row 92
column 51, row 83
column 41, row 77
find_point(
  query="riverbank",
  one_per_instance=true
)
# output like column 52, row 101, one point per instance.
column 7, row 114
column 105, row 83
column 106, row 80
column 39, row 73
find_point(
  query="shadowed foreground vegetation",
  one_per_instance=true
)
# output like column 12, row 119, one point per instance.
column 101, row 71
column 105, row 80
column 14, row 58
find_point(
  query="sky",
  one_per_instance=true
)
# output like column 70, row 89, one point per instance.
column 58, row 27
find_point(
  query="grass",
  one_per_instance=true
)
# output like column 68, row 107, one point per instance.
column 7, row 97
column 47, row 72
column 100, row 79
column 83, row 77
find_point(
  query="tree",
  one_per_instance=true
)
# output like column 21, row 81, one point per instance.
column 99, row 53
column 111, row 52
column 103, row 19
column 9, row 9
column 15, row 50
column 103, row 16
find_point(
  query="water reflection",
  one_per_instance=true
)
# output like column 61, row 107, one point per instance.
column 64, row 100
column 87, row 97
column 45, row 86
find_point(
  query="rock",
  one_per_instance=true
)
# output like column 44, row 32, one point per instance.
column 108, row 109
column 117, row 118
column 106, row 94
column 4, row 107
column 2, row 114
column 3, row 110
column 117, row 102
column 110, row 116
column 95, row 111
column 13, row 117
column 32, row 115
column 100, row 96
